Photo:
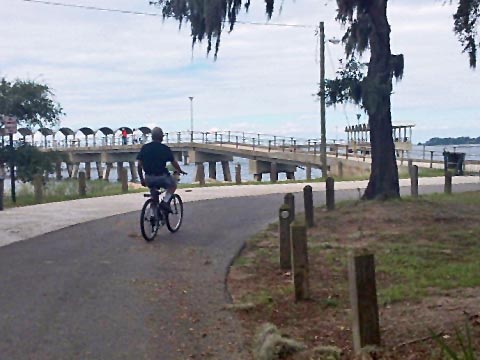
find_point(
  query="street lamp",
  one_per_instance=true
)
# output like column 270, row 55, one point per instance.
column 191, row 118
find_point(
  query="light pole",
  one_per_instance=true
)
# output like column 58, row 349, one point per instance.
column 191, row 118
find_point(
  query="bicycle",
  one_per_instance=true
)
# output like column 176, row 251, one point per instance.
column 153, row 216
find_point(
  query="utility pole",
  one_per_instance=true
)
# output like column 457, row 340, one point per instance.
column 323, row 139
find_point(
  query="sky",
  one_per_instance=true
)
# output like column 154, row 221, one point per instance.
column 112, row 69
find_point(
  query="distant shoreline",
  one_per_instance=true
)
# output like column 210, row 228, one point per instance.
column 463, row 140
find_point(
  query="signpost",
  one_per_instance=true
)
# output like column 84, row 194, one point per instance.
column 10, row 124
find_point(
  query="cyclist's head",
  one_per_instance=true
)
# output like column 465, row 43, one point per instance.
column 157, row 134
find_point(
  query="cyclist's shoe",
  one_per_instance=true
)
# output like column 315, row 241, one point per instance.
column 165, row 207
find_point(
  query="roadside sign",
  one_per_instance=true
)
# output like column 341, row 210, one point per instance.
column 10, row 123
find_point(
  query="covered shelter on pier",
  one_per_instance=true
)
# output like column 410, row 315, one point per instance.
column 106, row 131
column 26, row 132
column 359, row 136
column 86, row 131
column 146, row 132
column 45, row 133
column 67, row 132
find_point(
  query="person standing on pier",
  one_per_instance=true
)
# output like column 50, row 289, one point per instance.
column 152, row 159
column 124, row 136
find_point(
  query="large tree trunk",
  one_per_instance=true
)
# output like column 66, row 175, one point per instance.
column 377, row 88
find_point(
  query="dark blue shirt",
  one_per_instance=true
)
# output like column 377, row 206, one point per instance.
column 154, row 157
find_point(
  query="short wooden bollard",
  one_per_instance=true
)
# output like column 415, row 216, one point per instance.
column 410, row 164
column 1, row 192
column 289, row 200
column 363, row 299
column 82, row 183
column 38, row 188
column 300, row 271
column 124, row 179
column 273, row 172
column 448, row 183
column 308, row 203
column 330, row 193
column 238, row 174
column 200, row 177
column 284, row 233
column 414, row 181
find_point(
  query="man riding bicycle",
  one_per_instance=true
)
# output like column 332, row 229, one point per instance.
column 152, row 159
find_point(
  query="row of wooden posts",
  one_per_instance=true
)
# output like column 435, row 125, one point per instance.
column 361, row 268
column 39, row 186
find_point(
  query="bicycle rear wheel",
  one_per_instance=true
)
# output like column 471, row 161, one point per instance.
column 174, row 219
column 149, row 221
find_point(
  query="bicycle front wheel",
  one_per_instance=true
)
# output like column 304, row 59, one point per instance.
column 149, row 222
column 174, row 219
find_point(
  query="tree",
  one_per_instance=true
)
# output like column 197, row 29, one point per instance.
column 30, row 102
column 367, row 27
column 30, row 161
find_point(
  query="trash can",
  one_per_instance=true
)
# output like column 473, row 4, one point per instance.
column 455, row 161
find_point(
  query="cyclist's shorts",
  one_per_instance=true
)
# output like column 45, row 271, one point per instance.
column 163, row 181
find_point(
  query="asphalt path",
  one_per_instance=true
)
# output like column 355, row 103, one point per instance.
column 98, row 291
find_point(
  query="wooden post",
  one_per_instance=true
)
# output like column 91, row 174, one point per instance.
column 2, row 181
column 58, row 170
column 340, row 169
column 200, row 173
column 308, row 203
column 124, row 179
column 38, row 188
column 88, row 170
column 82, row 183
column 298, row 236
column 330, row 193
column 227, row 176
column 284, row 233
column 308, row 172
column 414, row 180
column 431, row 159
column 363, row 299
column 238, row 174
column 273, row 172
column 119, row 170
column 289, row 199
column 448, row 182
column 107, row 170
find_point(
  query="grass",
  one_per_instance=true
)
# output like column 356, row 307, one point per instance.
column 419, row 244
column 427, row 251
column 64, row 190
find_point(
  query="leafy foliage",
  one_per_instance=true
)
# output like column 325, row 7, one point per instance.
column 207, row 18
column 347, row 86
column 466, row 18
column 32, row 103
column 30, row 161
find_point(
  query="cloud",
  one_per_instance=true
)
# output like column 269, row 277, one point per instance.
column 112, row 69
